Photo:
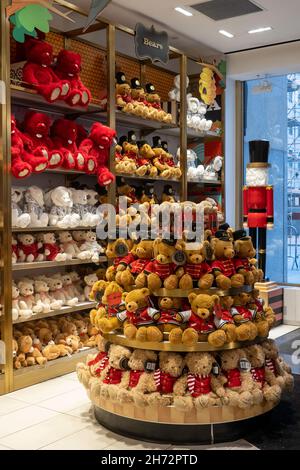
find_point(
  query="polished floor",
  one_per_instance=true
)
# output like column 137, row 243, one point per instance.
column 57, row 415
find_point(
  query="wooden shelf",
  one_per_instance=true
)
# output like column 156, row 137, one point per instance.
column 53, row 264
column 194, row 135
column 142, row 123
column 49, row 229
column 29, row 98
column 206, row 182
column 27, row 376
column 63, row 311
column 150, row 178
column 118, row 338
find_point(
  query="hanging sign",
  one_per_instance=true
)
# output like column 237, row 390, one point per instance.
column 151, row 44
column 95, row 9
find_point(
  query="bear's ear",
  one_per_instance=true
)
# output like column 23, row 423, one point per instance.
column 208, row 250
column 192, row 297
column 124, row 294
column 145, row 292
column 237, row 245
column 156, row 244
column 215, row 298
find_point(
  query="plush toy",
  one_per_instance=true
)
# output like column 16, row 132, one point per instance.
column 198, row 387
column 68, row 245
column 175, row 171
column 52, row 351
column 51, row 248
column 27, row 301
column 67, row 283
column 160, row 158
column 77, row 285
column 36, row 156
column 116, row 250
column 153, row 101
column 200, row 321
column 79, row 197
column 238, row 383
column 283, row 379
column 19, row 218
column 133, row 265
column 59, row 201
column 37, row 128
column 243, row 314
column 64, row 135
column 138, row 380
column 138, row 96
column 95, row 364
column 92, row 201
column 223, row 266
column 91, row 246
column 224, row 320
column 162, row 270
column 28, row 249
column 56, row 290
column 90, row 280
column 20, row 166
column 42, row 296
column 244, row 260
column 146, row 156
column 262, row 312
column 174, row 94
column 107, row 316
column 19, row 307
column 169, row 321
column 32, row 355
column 97, row 146
column 139, row 317
column 123, row 94
column 74, row 342
column 263, row 377
column 207, row 86
column 34, row 206
column 68, row 67
column 38, row 71
column 197, row 272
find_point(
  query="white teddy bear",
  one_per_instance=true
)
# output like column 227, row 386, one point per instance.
column 80, row 206
column 174, row 94
column 68, row 245
column 43, row 298
column 92, row 246
column 18, row 217
column 26, row 289
column 60, row 203
column 69, row 290
column 196, row 111
column 77, row 285
column 89, row 280
column 19, row 307
column 35, row 206
column 56, row 289
column 93, row 199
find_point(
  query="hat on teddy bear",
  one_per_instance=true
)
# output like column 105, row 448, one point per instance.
column 135, row 83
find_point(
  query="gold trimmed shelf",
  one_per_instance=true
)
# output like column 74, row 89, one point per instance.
column 167, row 346
column 53, row 264
column 171, row 415
column 150, row 178
column 27, row 376
column 185, row 293
column 49, row 229
column 63, row 311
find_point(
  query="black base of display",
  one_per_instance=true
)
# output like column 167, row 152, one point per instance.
column 179, row 433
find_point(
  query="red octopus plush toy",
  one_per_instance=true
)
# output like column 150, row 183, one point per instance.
column 97, row 145
column 68, row 67
column 37, row 128
column 38, row 71
column 19, row 166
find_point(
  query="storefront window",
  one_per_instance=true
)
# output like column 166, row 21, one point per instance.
column 272, row 112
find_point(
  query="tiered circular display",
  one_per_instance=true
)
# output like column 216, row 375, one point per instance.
column 158, row 423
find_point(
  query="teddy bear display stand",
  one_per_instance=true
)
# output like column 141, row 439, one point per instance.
column 161, row 422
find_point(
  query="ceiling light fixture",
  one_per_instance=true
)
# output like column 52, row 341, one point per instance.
column 260, row 30
column 226, row 33
column 183, row 11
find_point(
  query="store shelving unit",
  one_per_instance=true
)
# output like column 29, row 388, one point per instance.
column 63, row 311
column 24, row 97
column 49, row 228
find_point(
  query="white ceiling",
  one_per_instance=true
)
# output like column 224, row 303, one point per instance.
column 198, row 35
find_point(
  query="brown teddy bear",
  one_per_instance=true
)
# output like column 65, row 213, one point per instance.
column 116, row 250
column 259, row 318
column 238, row 384
column 160, row 159
column 114, row 373
column 95, row 364
column 283, row 378
column 198, row 387
column 200, row 321
column 139, row 317
column 138, row 379
column 263, row 377
column 146, row 154
column 224, row 320
column 138, row 98
column 244, row 260
column 197, row 272
column 262, row 312
column 162, row 270
column 123, row 93
column 107, row 318
column 242, row 314
column 169, row 320
column 134, row 265
column 223, row 265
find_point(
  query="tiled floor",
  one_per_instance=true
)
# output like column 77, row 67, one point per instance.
column 57, row 415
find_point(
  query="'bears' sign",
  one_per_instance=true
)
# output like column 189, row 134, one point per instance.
column 151, row 44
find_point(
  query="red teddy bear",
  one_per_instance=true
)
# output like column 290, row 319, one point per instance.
column 37, row 127
column 19, row 167
column 64, row 136
column 97, row 145
column 38, row 72
column 68, row 67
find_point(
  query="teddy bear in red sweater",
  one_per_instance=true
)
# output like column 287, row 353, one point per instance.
column 19, row 167
column 68, row 67
column 37, row 128
column 38, row 71
column 97, row 145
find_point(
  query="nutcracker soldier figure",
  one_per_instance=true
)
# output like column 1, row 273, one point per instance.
column 258, row 198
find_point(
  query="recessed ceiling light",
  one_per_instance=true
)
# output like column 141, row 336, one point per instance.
column 183, row 11
column 260, row 30
column 226, row 33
